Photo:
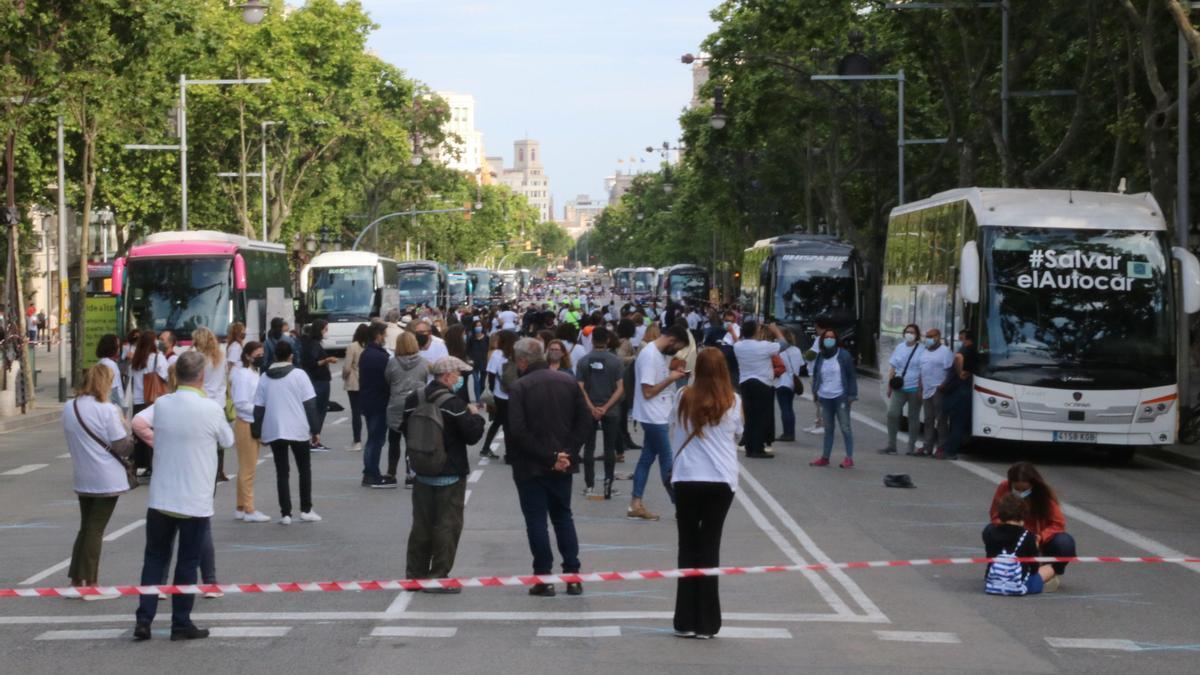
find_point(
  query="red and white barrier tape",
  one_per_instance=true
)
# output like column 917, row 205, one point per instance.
column 529, row 580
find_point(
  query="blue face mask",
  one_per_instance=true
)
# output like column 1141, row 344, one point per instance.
column 1024, row 494
column 457, row 385
column 929, row 342
column 478, row 329
column 829, row 343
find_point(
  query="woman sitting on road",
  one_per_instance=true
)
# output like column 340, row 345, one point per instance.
column 1044, row 518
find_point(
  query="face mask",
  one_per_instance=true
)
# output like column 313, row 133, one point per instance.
column 930, row 342
column 1024, row 494
column 478, row 330
column 457, row 386
column 910, row 338
column 829, row 343
column 259, row 363
column 162, row 346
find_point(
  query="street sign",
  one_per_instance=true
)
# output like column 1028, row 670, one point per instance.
column 100, row 318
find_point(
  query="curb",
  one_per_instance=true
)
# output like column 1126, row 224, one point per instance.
column 1170, row 456
column 29, row 421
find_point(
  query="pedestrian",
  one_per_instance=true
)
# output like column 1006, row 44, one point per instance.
column 435, row 349
column 167, row 344
column 904, row 389
column 188, row 427
column 373, row 393
column 937, row 362
column 705, row 424
column 99, row 441
column 957, row 395
column 31, row 322
column 1044, row 517
column 601, row 379
column 810, row 358
column 215, row 381
column 836, row 387
column 243, row 385
column 1010, row 538
column 787, row 386
column 440, row 483
column 234, row 340
column 477, row 349
column 108, row 349
column 315, row 363
column 406, row 372
column 756, row 359
column 558, row 356
column 146, row 366
column 394, row 327
column 285, row 414
column 500, row 376
column 276, row 334
column 654, row 378
column 548, row 422
column 456, row 346
column 628, row 355
column 127, row 349
column 350, row 383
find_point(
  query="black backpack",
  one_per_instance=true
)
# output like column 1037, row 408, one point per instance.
column 425, row 434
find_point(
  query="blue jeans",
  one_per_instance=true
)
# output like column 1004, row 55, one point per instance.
column 543, row 496
column 1061, row 545
column 480, row 379
column 839, row 409
column 958, row 410
column 787, row 409
column 377, row 431
column 160, row 537
column 656, row 444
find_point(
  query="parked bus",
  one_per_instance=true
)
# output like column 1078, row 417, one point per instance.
column 481, row 286
column 622, row 281
column 347, row 288
column 526, row 278
column 1072, row 297
column 510, row 288
column 180, row 281
column 643, row 282
column 421, row 282
column 797, row 280
column 683, row 283
column 458, row 289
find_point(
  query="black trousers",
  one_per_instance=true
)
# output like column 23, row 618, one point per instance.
column 393, row 441
column 143, row 454
column 301, row 451
column 700, row 509
column 499, row 421
column 356, row 416
column 758, row 407
column 608, row 425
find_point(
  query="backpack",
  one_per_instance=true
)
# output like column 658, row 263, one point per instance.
column 1006, row 576
column 425, row 434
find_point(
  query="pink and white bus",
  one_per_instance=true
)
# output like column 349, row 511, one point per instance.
column 180, row 281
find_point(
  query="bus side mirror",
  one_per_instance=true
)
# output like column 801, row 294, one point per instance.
column 968, row 273
column 380, row 279
column 118, row 275
column 239, row 272
column 304, row 278
column 1189, row 278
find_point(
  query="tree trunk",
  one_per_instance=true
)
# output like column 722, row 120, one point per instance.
column 17, row 310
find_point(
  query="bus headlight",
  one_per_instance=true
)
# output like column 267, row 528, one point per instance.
column 1152, row 409
column 1003, row 404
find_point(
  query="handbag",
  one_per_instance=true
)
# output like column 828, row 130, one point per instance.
column 153, row 386
column 778, row 367
column 897, row 382
column 121, row 450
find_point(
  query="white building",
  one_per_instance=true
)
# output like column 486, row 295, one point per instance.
column 466, row 153
column 580, row 214
column 617, row 185
column 527, row 177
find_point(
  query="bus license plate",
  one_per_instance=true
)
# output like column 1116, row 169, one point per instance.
column 1074, row 437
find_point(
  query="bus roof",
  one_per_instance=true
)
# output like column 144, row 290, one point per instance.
column 684, row 266
column 816, row 244
column 198, row 242
column 418, row 264
column 347, row 259
column 1076, row 209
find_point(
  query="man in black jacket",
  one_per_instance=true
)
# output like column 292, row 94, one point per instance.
column 438, row 500
column 548, row 421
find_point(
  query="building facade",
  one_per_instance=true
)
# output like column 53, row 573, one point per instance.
column 527, row 177
column 466, row 153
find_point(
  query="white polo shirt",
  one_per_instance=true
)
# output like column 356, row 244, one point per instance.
column 934, row 365
column 188, row 429
column 754, row 361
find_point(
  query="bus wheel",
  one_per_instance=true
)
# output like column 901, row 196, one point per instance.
column 1121, row 454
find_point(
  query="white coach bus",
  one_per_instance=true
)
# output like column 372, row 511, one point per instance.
column 347, row 288
column 1073, row 299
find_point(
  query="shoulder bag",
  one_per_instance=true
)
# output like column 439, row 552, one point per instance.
column 121, row 450
column 897, row 382
column 153, row 386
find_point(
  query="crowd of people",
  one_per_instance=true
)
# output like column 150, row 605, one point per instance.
column 550, row 376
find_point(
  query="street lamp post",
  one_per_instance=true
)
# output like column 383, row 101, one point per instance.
column 63, row 357
column 263, row 174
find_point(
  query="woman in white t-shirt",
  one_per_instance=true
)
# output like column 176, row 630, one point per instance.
column 705, row 424
column 233, row 345
column 243, row 385
column 503, row 353
column 99, row 476
column 146, row 360
column 785, row 392
column 216, row 379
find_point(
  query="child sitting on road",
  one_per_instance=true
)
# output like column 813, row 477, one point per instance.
column 1009, row 540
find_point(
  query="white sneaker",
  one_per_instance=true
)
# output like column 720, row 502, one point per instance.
column 357, row 447
column 286, row 520
column 239, row 515
column 101, row 596
column 769, row 450
column 310, row 517
column 214, row 595
column 257, row 517
column 163, row 596
column 816, row 430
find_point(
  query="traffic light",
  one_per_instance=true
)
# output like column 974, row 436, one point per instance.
column 528, row 244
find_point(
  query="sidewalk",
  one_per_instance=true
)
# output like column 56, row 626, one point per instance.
column 46, row 407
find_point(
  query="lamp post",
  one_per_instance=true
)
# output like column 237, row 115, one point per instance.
column 253, row 11
column 263, row 174
column 63, row 358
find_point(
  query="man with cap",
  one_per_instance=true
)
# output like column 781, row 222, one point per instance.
column 438, row 500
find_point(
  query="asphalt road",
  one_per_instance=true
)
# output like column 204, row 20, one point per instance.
column 1107, row 618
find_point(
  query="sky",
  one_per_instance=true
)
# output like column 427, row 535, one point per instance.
column 592, row 81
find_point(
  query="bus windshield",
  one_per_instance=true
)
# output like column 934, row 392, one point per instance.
column 689, row 284
column 457, row 288
column 418, row 286
column 1077, row 308
column 809, row 287
column 179, row 294
column 643, row 282
column 341, row 292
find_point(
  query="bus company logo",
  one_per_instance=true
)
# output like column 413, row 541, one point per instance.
column 816, row 258
column 1077, row 395
column 1069, row 270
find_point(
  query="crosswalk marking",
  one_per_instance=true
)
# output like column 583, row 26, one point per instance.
column 414, row 631
column 930, row 637
column 579, row 631
column 1093, row 643
column 249, row 631
column 755, row 633
column 484, row 461
column 341, row 420
column 92, row 634
column 65, row 455
column 475, row 476
column 117, row 633
column 22, row 470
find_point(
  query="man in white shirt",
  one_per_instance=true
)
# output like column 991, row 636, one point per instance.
column 435, row 350
column 188, row 428
column 733, row 332
column 936, row 361
column 756, row 379
column 508, row 319
column 653, row 391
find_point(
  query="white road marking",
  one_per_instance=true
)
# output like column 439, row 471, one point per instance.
column 918, row 636
column 484, row 461
column 62, row 565
column 579, row 631
column 22, row 470
column 249, row 631
column 115, row 633
column 60, row 619
column 400, row 604
column 92, row 634
column 755, row 633
column 65, row 455
column 414, row 631
column 341, row 420
column 810, row 545
column 1093, row 643
column 475, row 476
column 466, row 497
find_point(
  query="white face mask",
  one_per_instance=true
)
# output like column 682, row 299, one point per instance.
column 910, row 338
